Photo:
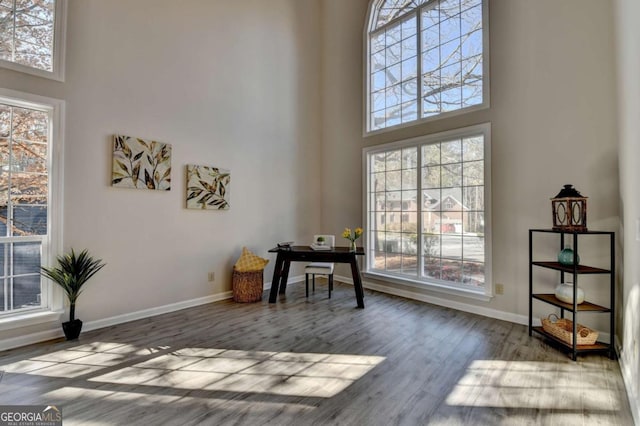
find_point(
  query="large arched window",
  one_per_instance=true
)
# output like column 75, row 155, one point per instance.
column 425, row 58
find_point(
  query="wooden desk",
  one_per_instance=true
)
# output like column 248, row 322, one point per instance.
column 307, row 254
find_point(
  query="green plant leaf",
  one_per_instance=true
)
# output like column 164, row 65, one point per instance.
column 72, row 272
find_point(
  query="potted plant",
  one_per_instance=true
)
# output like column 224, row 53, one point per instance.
column 72, row 272
column 320, row 241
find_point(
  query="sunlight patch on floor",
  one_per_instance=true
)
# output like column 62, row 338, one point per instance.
column 529, row 384
column 277, row 373
column 209, row 369
column 190, row 404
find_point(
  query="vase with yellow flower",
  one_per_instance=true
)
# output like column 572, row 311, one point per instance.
column 352, row 236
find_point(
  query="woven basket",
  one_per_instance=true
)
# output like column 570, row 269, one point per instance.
column 247, row 287
column 562, row 329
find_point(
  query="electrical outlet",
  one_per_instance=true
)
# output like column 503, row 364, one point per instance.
column 499, row 289
column 212, row 276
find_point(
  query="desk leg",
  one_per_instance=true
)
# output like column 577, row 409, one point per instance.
column 357, row 282
column 275, row 281
column 285, row 276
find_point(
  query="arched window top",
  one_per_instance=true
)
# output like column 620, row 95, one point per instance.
column 388, row 10
column 385, row 11
column 425, row 59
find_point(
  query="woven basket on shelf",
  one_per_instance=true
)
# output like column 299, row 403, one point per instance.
column 247, row 286
column 562, row 329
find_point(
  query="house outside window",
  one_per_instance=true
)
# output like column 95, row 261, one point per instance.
column 32, row 34
column 425, row 59
column 441, row 234
column 29, row 210
column 448, row 204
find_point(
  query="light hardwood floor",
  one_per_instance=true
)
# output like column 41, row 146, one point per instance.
column 315, row 361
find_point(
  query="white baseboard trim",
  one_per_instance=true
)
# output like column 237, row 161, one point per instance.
column 625, row 369
column 151, row 312
column 42, row 336
column 290, row 280
column 30, row 339
column 459, row 306
column 56, row 333
column 29, row 319
column 172, row 307
column 473, row 309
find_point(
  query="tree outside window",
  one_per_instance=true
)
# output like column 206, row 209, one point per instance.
column 425, row 59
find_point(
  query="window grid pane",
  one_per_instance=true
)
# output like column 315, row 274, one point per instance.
column 20, row 275
column 393, row 77
column 393, row 199
column 450, row 55
column 27, row 32
column 450, row 244
column 24, row 189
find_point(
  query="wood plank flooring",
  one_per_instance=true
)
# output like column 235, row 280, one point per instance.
column 315, row 361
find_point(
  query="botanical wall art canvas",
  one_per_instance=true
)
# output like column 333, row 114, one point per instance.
column 207, row 188
column 140, row 163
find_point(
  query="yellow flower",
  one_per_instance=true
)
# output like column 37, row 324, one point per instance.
column 352, row 236
column 346, row 233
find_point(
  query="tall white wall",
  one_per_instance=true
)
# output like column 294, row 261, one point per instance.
column 628, row 46
column 553, row 122
column 230, row 84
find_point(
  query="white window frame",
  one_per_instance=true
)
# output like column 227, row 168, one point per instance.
column 486, row 292
column 369, row 27
column 52, row 299
column 58, row 54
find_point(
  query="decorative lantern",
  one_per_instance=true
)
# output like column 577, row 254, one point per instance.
column 569, row 210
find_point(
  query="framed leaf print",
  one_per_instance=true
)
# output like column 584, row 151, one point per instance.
column 141, row 164
column 208, row 188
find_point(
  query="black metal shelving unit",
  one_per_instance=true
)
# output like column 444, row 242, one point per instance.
column 575, row 270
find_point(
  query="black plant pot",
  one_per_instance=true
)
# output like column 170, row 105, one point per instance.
column 72, row 329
